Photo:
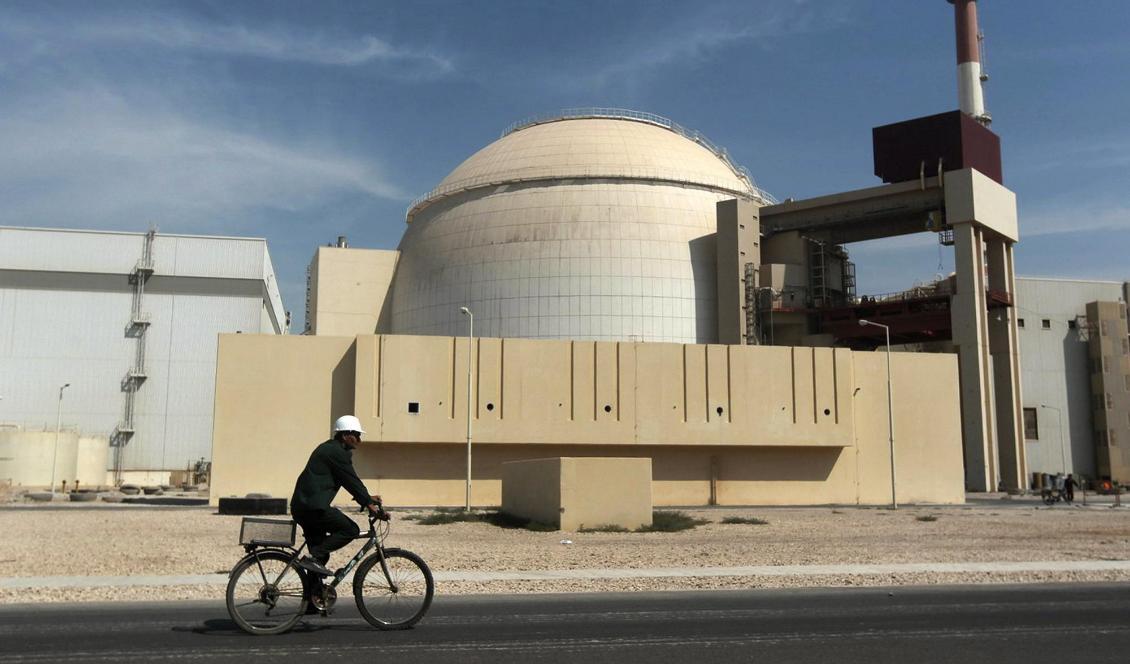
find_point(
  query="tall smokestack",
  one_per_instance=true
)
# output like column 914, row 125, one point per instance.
column 971, row 98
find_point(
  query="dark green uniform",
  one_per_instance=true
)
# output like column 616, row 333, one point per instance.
column 329, row 469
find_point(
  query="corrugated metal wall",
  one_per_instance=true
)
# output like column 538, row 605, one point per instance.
column 70, row 333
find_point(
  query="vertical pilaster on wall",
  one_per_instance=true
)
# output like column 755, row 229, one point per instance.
column 970, row 334
column 738, row 239
column 1005, row 351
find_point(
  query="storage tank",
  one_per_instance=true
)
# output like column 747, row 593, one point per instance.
column 588, row 224
column 93, row 459
column 26, row 456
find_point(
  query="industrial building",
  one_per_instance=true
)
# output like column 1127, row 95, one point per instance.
column 613, row 302
column 1075, row 363
column 597, row 283
column 604, row 282
column 111, row 336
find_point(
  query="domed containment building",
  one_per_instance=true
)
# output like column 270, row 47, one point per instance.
column 607, row 258
column 594, row 224
column 572, row 227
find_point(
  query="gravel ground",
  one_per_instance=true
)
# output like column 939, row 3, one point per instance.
column 118, row 540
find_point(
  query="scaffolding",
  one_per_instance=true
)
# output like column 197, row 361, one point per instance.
column 136, row 375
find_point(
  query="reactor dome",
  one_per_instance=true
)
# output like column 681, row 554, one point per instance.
column 590, row 224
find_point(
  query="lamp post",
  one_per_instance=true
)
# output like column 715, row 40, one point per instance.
column 1062, row 449
column 890, row 408
column 58, row 423
column 470, row 360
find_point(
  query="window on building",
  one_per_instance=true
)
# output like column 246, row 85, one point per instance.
column 1046, row 324
column 1031, row 425
column 1019, row 322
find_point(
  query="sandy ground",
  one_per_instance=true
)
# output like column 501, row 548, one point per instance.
column 127, row 540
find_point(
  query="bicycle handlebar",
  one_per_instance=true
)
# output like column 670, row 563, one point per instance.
column 376, row 514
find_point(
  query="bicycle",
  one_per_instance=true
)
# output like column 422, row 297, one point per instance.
column 268, row 592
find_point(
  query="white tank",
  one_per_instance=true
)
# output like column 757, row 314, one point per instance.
column 26, row 457
column 93, row 460
column 587, row 225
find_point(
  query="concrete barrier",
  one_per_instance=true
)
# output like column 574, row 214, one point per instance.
column 579, row 492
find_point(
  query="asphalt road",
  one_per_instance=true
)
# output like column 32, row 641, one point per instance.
column 1022, row 623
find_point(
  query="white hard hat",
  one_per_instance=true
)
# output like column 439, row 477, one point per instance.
column 348, row 423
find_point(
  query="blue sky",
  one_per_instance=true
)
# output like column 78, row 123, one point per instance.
column 299, row 122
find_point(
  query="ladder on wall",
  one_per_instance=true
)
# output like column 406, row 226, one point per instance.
column 817, row 268
column 137, row 328
column 751, row 307
column 849, row 281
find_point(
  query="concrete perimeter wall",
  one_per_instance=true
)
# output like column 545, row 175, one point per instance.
column 747, row 424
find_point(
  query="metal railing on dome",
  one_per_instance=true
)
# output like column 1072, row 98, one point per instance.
column 641, row 116
column 634, row 173
column 526, row 175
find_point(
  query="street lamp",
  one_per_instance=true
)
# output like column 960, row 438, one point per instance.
column 470, row 359
column 890, row 407
column 58, row 423
column 1059, row 422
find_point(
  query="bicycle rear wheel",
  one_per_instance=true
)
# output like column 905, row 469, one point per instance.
column 267, row 593
column 400, row 605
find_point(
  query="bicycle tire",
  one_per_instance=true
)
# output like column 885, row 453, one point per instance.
column 384, row 608
column 267, row 593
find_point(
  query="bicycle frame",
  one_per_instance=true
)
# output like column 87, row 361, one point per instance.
column 373, row 536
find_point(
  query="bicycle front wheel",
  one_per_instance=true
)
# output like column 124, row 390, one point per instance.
column 399, row 600
column 267, row 593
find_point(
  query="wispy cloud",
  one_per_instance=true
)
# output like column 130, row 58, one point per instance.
column 698, row 38
column 1082, row 152
column 172, row 32
column 1075, row 217
column 93, row 157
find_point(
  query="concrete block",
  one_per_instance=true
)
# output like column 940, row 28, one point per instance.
column 576, row 492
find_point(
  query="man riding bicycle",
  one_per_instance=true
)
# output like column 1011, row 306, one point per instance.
column 329, row 469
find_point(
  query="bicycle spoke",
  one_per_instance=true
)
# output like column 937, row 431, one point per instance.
column 385, row 607
column 259, row 606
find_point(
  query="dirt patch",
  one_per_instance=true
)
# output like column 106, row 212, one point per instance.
column 176, row 541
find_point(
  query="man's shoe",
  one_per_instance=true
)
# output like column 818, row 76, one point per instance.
column 309, row 564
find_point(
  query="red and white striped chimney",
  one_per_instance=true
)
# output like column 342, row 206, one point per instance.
column 971, row 98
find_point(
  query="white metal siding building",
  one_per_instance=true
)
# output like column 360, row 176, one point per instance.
column 1054, row 370
column 70, row 312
